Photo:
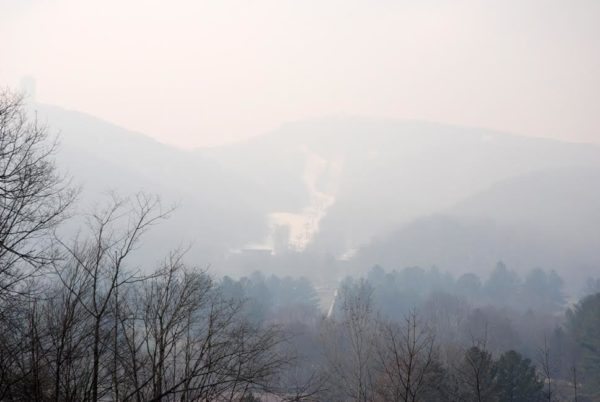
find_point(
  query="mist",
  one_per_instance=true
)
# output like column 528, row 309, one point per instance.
column 299, row 201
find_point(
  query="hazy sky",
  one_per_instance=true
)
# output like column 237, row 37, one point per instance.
column 195, row 73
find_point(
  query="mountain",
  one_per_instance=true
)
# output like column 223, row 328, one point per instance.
column 382, row 174
column 548, row 219
column 393, row 192
column 215, row 210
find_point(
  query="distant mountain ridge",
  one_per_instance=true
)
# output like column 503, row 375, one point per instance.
column 397, row 192
column 216, row 210
column 548, row 219
column 394, row 172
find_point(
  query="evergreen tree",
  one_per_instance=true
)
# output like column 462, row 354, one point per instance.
column 584, row 326
column 516, row 379
column 543, row 291
column 502, row 285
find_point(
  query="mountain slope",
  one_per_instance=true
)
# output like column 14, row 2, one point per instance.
column 461, row 198
column 549, row 219
column 216, row 210
column 390, row 172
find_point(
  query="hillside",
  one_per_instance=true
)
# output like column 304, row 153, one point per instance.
column 544, row 219
column 215, row 210
column 385, row 173
column 343, row 185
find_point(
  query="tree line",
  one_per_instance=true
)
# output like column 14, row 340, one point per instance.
column 395, row 340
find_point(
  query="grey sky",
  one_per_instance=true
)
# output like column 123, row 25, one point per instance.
column 194, row 73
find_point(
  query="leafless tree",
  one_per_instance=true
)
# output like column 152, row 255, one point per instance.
column 406, row 356
column 446, row 315
column 349, row 343
column 181, row 340
column 68, row 330
column 105, row 330
column 34, row 197
column 544, row 359
column 574, row 382
column 34, row 200
column 99, row 264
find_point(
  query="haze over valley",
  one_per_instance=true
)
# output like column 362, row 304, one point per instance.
column 299, row 201
column 351, row 191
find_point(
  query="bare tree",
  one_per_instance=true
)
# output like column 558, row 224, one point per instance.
column 95, row 327
column 34, row 197
column 350, row 343
column 104, row 330
column 545, row 363
column 186, row 342
column 69, row 329
column 574, row 382
column 99, row 264
column 406, row 356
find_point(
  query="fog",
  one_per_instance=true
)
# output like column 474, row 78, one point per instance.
column 212, row 72
column 299, row 201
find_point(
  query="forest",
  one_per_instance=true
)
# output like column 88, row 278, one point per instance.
column 82, row 320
